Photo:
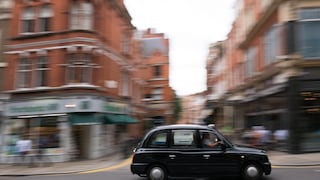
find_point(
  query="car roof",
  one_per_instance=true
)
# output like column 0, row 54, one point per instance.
column 182, row 126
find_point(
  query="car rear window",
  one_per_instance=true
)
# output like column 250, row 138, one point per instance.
column 158, row 139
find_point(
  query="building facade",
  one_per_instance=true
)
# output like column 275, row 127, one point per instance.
column 5, row 17
column 216, row 68
column 193, row 109
column 158, row 94
column 74, row 78
column 273, row 70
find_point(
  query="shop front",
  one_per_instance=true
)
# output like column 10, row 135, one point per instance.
column 64, row 128
column 266, row 113
column 290, row 113
column 305, row 108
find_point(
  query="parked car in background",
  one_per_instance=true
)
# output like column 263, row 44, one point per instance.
column 178, row 151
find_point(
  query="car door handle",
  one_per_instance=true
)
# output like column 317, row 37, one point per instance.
column 206, row 156
column 172, row 156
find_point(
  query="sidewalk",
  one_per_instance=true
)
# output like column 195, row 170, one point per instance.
column 276, row 158
column 61, row 168
column 284, row 159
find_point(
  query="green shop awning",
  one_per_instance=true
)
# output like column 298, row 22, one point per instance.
column 119, row 119
column 85, row 119
column 130, row 119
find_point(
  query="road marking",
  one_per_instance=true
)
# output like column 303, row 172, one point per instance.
column 120, row 165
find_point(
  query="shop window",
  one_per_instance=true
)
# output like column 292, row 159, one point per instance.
column 41, row 131
column 311, row 101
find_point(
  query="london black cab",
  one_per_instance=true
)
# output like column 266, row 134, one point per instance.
column 181, row 151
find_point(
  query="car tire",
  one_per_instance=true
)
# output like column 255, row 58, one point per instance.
column 251, row 171
column 157, row 172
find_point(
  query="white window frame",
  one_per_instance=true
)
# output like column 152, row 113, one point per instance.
column 42, row 71
column 24, row 73
column 252, row 53
column 157, row 93
column 125, row 84
column 78, row 68
column 126, row 42
column 28, row 20
column 271, row 45
column 45, row 17
column 81, row 16
column 309, row 49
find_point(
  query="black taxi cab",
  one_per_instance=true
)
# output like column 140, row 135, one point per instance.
column 182, row 151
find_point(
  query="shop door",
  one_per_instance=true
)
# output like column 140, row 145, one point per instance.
column 81, row 135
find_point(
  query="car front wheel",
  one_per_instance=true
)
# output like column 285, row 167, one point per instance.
column 157, row 172
column 252, row 172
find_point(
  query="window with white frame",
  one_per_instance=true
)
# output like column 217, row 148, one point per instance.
column 126, row 42
column 271, row 45
column 79, row 68
column 251, row 58
column 125, row 84
column 36, row 18
column 157, row 93
column 309, row 28
column 28, row 20
column 45, row 17
column 41, row 71
column 24, row 72
column 81, row 16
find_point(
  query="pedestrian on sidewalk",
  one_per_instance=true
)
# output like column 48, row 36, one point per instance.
column 23, row 147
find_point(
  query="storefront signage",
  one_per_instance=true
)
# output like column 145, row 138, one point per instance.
column 113, row 107
column 67, row 105
column 34, row 109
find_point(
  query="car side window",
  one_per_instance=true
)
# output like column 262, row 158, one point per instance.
column 183, row 138
column 209, row 140
column 158, row 139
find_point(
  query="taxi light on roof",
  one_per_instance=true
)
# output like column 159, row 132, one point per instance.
column 212, row 126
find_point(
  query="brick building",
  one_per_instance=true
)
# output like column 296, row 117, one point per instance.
column 75, row 78
column 273, row 70
column 5, row 17
column 158, row 94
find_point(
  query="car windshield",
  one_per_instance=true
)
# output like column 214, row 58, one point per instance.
column 226, row 139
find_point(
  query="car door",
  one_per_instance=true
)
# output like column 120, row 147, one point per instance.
column 184, row 153
column 157, row 148
column 217, row 160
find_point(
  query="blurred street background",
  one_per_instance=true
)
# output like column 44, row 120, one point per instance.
column 80, row 82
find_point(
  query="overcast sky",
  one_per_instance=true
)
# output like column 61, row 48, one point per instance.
column 191, row 25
